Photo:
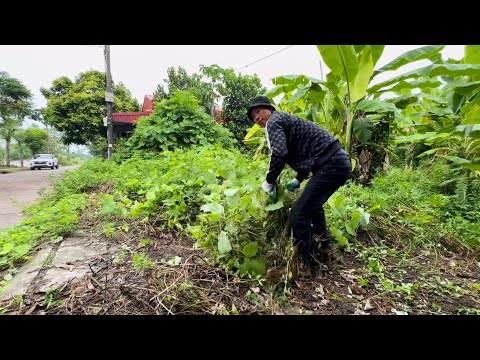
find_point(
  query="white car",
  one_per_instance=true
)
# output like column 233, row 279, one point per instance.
column 43, row 160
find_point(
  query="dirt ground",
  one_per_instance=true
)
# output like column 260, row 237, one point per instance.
column 180, row 279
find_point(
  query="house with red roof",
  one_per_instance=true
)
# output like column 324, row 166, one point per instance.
column 123, row 122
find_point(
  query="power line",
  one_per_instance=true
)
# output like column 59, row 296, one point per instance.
column 285, row 48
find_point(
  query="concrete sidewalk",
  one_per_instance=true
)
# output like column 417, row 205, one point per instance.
column 57, row 264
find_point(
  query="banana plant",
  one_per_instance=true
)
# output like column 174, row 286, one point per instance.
column 448, row 119
column 355, row 64
column 354, row 99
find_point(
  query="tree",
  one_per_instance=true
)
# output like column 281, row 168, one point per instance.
column 35, row 139
column 180, row 80
column 14, row 106
column 237, row 90
column 19, row 136
column 78, row 107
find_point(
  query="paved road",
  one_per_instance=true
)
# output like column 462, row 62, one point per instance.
column 19, row 189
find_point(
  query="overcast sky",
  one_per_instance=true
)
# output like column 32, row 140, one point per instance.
column 142, row 67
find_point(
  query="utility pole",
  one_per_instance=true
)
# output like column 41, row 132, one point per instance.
column 321, row 70
column 109, row 100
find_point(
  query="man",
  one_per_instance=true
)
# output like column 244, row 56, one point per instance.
column 305, row 147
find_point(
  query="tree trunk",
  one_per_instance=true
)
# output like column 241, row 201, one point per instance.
column 7, row 150
column 21, row 154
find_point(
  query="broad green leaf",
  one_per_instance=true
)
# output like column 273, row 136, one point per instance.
column 341, row 59
column 365, row 219
column 290, row 80
column 230, row 192
column 252, row 131
column 339, row 200
column 152, row 193
column 338, row 235
column 354, row 163
column 252, row 141
column 365, row 69
column 314, row 80
column 377, row 51
column 356, row 216
column 21, row 250
column 224, row 245
column 410, row 57
column 298, row 95
column 472, row 130
column 276, row 206
column 438, row 137
column 472, row 116
column 255, row 266
column 431, row 71
column 432, row 151
column 401, row 102
column 455, row 101
column 233, row 201
column 213, row 218
column 455, row 159
column 251, row 249
column 362, row 128
column 243, row 268
column 196, row 231
column 274, row 92
column 467, row 88
column 108, row 203
column 136, row 208
column 417, row 84
column 7, row 247
column 437, row 99
column 213, row 208
column 472, row 56
column 350, row 228
column 412, row 138
column 358, row 48
column 169, row 202
column 353, row 223
column 375, row 106
column 316, row 94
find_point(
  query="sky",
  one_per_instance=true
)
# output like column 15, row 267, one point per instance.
column 142, row 67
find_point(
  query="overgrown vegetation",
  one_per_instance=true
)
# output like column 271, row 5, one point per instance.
column 186, row 207
column 178, row 122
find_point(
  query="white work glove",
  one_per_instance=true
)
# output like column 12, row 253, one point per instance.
column 267, row 187
column 270, row 189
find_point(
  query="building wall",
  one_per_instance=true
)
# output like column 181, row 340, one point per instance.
column 122, row 131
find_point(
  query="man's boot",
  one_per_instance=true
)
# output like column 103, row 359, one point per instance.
column 301, row 263
column 327, row 255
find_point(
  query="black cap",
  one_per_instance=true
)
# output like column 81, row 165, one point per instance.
column 259, row 101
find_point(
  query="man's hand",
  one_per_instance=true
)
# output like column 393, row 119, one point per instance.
column 293, row 185
column 270, row 189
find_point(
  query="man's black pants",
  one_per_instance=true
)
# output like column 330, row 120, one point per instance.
column 307, row 210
